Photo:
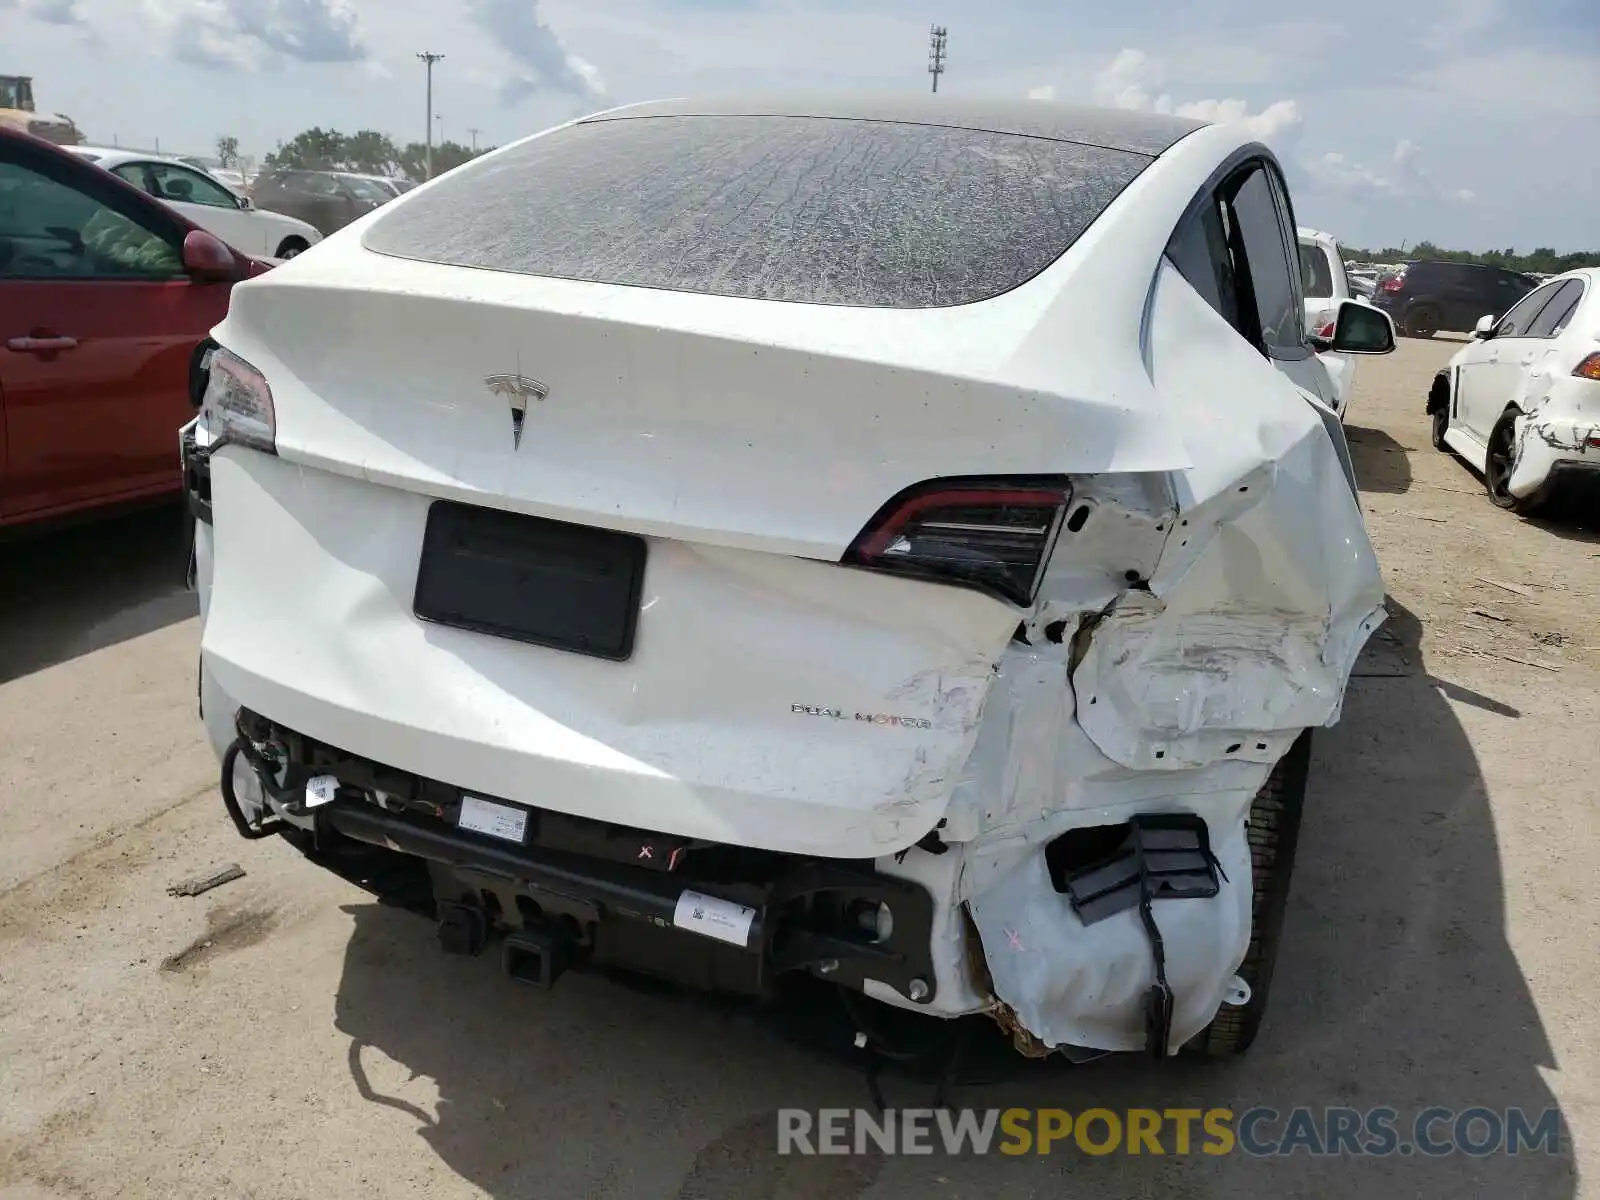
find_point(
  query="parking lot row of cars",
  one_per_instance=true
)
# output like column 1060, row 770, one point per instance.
column 278, row 214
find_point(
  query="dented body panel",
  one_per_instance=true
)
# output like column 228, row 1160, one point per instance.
column 1203, row 604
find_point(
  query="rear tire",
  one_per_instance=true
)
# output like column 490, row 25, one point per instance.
column 1498, row 465
column 1422, row 321
column 1274, row 833
column 291, row 246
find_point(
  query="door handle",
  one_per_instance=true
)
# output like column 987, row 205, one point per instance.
column 44, row 344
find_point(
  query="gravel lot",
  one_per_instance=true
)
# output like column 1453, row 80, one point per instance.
column 284, row 1037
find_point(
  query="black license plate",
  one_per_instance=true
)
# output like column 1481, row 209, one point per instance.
column 570, row 587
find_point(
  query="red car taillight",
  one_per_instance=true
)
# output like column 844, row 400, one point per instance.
column 994, row 534
column 1589, row 368
column 1394, row 283
column 1326, row 332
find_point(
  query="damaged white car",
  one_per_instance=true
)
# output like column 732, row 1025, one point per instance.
column 1521, row 401
column 905, row 541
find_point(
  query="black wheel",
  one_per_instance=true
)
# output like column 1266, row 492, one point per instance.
column 1274, row 832
column 1439, row 411
column 1422, row 321
column 1498, row 465
column 290, row 247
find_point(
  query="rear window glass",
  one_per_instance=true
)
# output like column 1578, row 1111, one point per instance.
column 814, row 210
column 1314, row 271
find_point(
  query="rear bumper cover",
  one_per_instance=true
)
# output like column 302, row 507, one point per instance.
column 617, row 896
column 1556, row 451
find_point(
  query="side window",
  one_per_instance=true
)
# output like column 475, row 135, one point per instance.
column 1553, row 317
column 134, row 174
column 1314, row 271
column 1200, row 252
column 50, row 229
column 189, row 187
column 1516, row 322
column 1256, row 239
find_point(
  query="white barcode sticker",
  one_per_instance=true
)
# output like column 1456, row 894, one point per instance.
column 320, row 789
column 497, row 820
column 714, row 918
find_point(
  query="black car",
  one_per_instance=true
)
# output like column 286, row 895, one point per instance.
column 1426, row 296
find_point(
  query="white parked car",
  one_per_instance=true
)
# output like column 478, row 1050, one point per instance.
column 1521, row 401
column 207, row 202
column 915, row 562
column 1327, row 286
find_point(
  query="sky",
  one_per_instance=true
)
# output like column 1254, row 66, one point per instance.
column 1470, row 123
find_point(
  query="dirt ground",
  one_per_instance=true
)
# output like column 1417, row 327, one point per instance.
column 284, row 1037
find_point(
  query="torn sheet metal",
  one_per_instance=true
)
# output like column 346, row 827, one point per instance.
column 1266, row 590
column 1204, row 620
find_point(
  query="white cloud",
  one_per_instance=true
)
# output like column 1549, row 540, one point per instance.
column 50, row 12
column 540, row 61
column 1045, row 91
column 257, row 34
column 1407, row 177
column 1132, row 79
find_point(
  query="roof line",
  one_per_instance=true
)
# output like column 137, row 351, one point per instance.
column 624, row 115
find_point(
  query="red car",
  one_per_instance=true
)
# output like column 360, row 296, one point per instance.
column 107, row 298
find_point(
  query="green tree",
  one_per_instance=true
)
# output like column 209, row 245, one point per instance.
column 371, row 153
column 1543, row 261
column 315, row 149
column 227, row 151
column 365, row 151
column 446, row 155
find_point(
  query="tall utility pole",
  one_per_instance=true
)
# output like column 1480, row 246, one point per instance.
column 428, row 59
column 474, row 133
column 936, row 40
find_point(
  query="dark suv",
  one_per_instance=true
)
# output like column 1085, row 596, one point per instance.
column 1426, row 296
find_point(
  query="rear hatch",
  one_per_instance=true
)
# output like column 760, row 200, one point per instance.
column 578, row 545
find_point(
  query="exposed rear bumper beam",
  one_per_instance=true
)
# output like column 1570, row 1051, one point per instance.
column 616, row 890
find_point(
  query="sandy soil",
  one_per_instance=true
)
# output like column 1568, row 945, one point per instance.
column 284, row 1037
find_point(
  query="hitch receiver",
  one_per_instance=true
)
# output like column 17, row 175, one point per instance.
column 536, row 956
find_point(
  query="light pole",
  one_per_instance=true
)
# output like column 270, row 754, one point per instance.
column 428, row 59
column 474, row 133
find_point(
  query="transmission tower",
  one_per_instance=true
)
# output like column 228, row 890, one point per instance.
column 936, row 40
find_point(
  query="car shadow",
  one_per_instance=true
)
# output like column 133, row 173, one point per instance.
column 1381, row 463
column 1396, row 988
column 74, row 589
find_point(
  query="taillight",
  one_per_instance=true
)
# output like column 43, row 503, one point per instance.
column 238, row 403
column 994, row 534
column 1589, row 368
column 1326, row 332
column 1394, row 283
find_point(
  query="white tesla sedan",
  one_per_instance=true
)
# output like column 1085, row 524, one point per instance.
column 1521, row 401
column 207, row 202
column 904, row 541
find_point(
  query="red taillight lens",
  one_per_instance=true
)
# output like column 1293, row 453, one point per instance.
column 1394, row 283
column 1326, row 332
column 994, row 534
column 1589, row 368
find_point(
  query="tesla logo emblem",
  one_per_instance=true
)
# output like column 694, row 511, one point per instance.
column 518, row 390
